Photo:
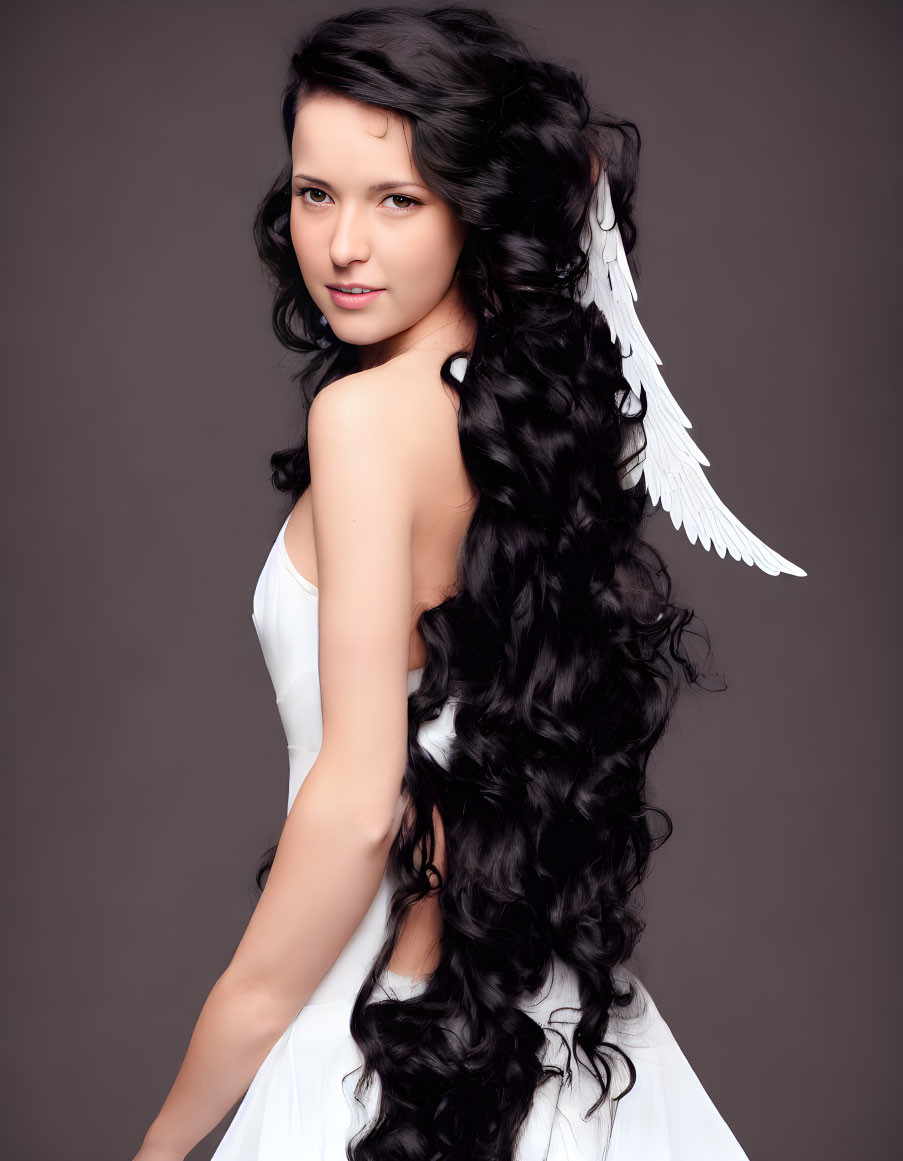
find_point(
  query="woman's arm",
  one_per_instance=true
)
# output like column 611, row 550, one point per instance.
column 338, row 867
column 333, row 849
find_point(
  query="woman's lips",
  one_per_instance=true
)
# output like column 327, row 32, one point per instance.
column 354, row 301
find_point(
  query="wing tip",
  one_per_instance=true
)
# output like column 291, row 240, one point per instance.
column 754, row 552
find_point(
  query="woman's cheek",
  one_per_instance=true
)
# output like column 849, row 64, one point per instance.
column 431, row 264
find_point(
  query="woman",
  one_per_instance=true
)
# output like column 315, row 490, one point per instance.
column 471, row 644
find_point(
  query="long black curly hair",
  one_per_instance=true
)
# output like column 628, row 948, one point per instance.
column 562, row 649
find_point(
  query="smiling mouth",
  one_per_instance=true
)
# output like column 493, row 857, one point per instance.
column 354, row 289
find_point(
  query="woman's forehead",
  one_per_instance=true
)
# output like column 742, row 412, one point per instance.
column 328, row 124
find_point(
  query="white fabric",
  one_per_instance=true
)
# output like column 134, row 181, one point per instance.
column 300, row 1105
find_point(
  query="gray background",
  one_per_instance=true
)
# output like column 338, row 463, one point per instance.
column 143, row 392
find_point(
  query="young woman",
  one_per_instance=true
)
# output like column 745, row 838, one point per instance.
column 471, row 644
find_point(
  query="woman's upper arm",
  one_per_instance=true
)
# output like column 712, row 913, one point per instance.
column 363, row 488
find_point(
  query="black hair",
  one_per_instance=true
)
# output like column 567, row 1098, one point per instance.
column 562, row 647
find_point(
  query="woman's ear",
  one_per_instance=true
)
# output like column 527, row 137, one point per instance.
column 597, row 168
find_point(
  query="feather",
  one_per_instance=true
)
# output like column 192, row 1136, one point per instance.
column 671, row 462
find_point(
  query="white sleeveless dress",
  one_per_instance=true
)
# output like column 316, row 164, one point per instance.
column 300, row 1105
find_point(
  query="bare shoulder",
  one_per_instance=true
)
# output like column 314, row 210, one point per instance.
column 404, row 402
column 410, row 379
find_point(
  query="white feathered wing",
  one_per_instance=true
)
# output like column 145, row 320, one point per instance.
column 671, row 461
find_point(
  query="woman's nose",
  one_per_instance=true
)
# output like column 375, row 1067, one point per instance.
column 349, row 239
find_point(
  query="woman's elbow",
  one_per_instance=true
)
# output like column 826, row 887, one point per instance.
column 372, row 812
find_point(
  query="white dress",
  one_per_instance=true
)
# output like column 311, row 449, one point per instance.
column 300, row 1105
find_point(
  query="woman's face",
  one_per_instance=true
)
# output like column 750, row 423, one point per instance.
column 400, row 238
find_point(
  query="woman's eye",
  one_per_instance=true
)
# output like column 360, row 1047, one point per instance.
column 312, row 189
column 403, row 197
column 316, row 201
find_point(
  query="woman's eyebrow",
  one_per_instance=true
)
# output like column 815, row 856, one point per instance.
column 320, row 184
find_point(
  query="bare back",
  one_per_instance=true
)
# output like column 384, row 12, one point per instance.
column 446, row 497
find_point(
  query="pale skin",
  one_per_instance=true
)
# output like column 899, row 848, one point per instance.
column 378, row 532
